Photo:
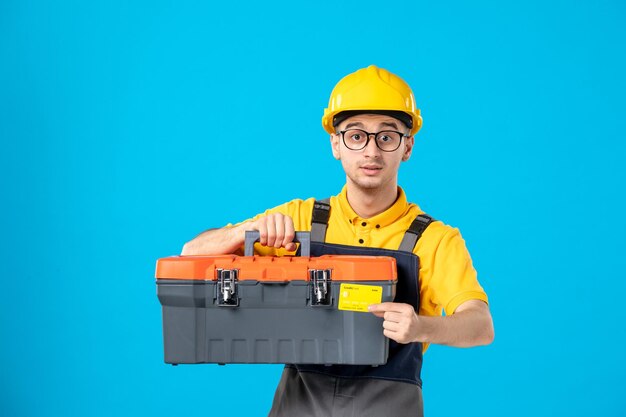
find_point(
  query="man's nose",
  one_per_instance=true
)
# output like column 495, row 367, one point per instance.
column 371, row 149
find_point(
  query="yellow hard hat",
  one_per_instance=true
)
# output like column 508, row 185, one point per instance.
column 372, row 90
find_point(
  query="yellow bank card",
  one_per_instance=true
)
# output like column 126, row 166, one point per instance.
column 356, row 297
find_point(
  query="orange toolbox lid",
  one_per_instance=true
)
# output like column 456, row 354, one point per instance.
column 277, row 269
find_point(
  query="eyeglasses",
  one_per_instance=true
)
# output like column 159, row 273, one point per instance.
column 386, row 141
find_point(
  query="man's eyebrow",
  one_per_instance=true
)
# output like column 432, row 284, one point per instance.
column 389, row 124
column 354, row 124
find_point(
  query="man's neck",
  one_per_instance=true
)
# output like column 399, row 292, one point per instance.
column 367, row 203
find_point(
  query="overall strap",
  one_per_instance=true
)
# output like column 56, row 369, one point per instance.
column 414, row 232
column 319, row 222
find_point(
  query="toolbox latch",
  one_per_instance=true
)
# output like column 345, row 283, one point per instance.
column 227, row 287
column 320, row 287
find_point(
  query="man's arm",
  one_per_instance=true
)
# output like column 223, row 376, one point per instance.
column 470, row 325
column 275, row 230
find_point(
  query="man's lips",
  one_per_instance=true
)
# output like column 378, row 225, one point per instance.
column 371, row 169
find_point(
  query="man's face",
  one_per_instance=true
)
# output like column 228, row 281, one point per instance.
column 371, row 168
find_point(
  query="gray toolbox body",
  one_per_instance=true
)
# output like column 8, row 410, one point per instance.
column 257, row 309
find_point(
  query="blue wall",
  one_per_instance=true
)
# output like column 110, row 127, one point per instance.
column 126, row 129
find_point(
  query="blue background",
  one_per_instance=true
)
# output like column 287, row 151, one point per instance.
column 126, row 129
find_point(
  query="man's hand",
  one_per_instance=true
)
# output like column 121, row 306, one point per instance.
column 469, row 325
column 276, row 230
column 401, row 322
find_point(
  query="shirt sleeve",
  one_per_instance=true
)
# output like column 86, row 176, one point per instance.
column 450, row 279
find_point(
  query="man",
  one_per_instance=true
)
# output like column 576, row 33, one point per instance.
column 372, row 119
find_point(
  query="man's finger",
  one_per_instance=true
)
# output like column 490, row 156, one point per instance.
column 262, row 228
column 271, row 231
column 390, row 334
column 280, row 231
column 378, row 313
column 290, row 234
column 392, row 316
column 390, row 325
column 387, row 306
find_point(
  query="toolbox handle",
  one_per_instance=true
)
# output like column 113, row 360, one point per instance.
column 252, row 236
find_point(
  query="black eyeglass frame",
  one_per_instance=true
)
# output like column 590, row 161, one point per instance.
column 376, row 135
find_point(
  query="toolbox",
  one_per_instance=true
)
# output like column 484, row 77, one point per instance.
column 267, row 309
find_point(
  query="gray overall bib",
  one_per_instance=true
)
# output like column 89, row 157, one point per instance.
column 393, row 389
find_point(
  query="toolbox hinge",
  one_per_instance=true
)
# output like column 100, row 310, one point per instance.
column 227, row 287
column 320, row 287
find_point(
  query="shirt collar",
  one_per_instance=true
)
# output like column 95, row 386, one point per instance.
column 397, row 210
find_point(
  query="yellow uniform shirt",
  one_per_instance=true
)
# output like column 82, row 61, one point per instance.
column 446, row 277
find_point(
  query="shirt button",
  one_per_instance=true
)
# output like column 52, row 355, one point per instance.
column 363, row 224
column 378, row 226
column 361, row 241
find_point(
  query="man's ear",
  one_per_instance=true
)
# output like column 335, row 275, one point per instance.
column 409, row 141
column 334, row 144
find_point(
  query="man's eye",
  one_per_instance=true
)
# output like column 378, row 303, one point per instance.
column 385, row 138
column 356, row 137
